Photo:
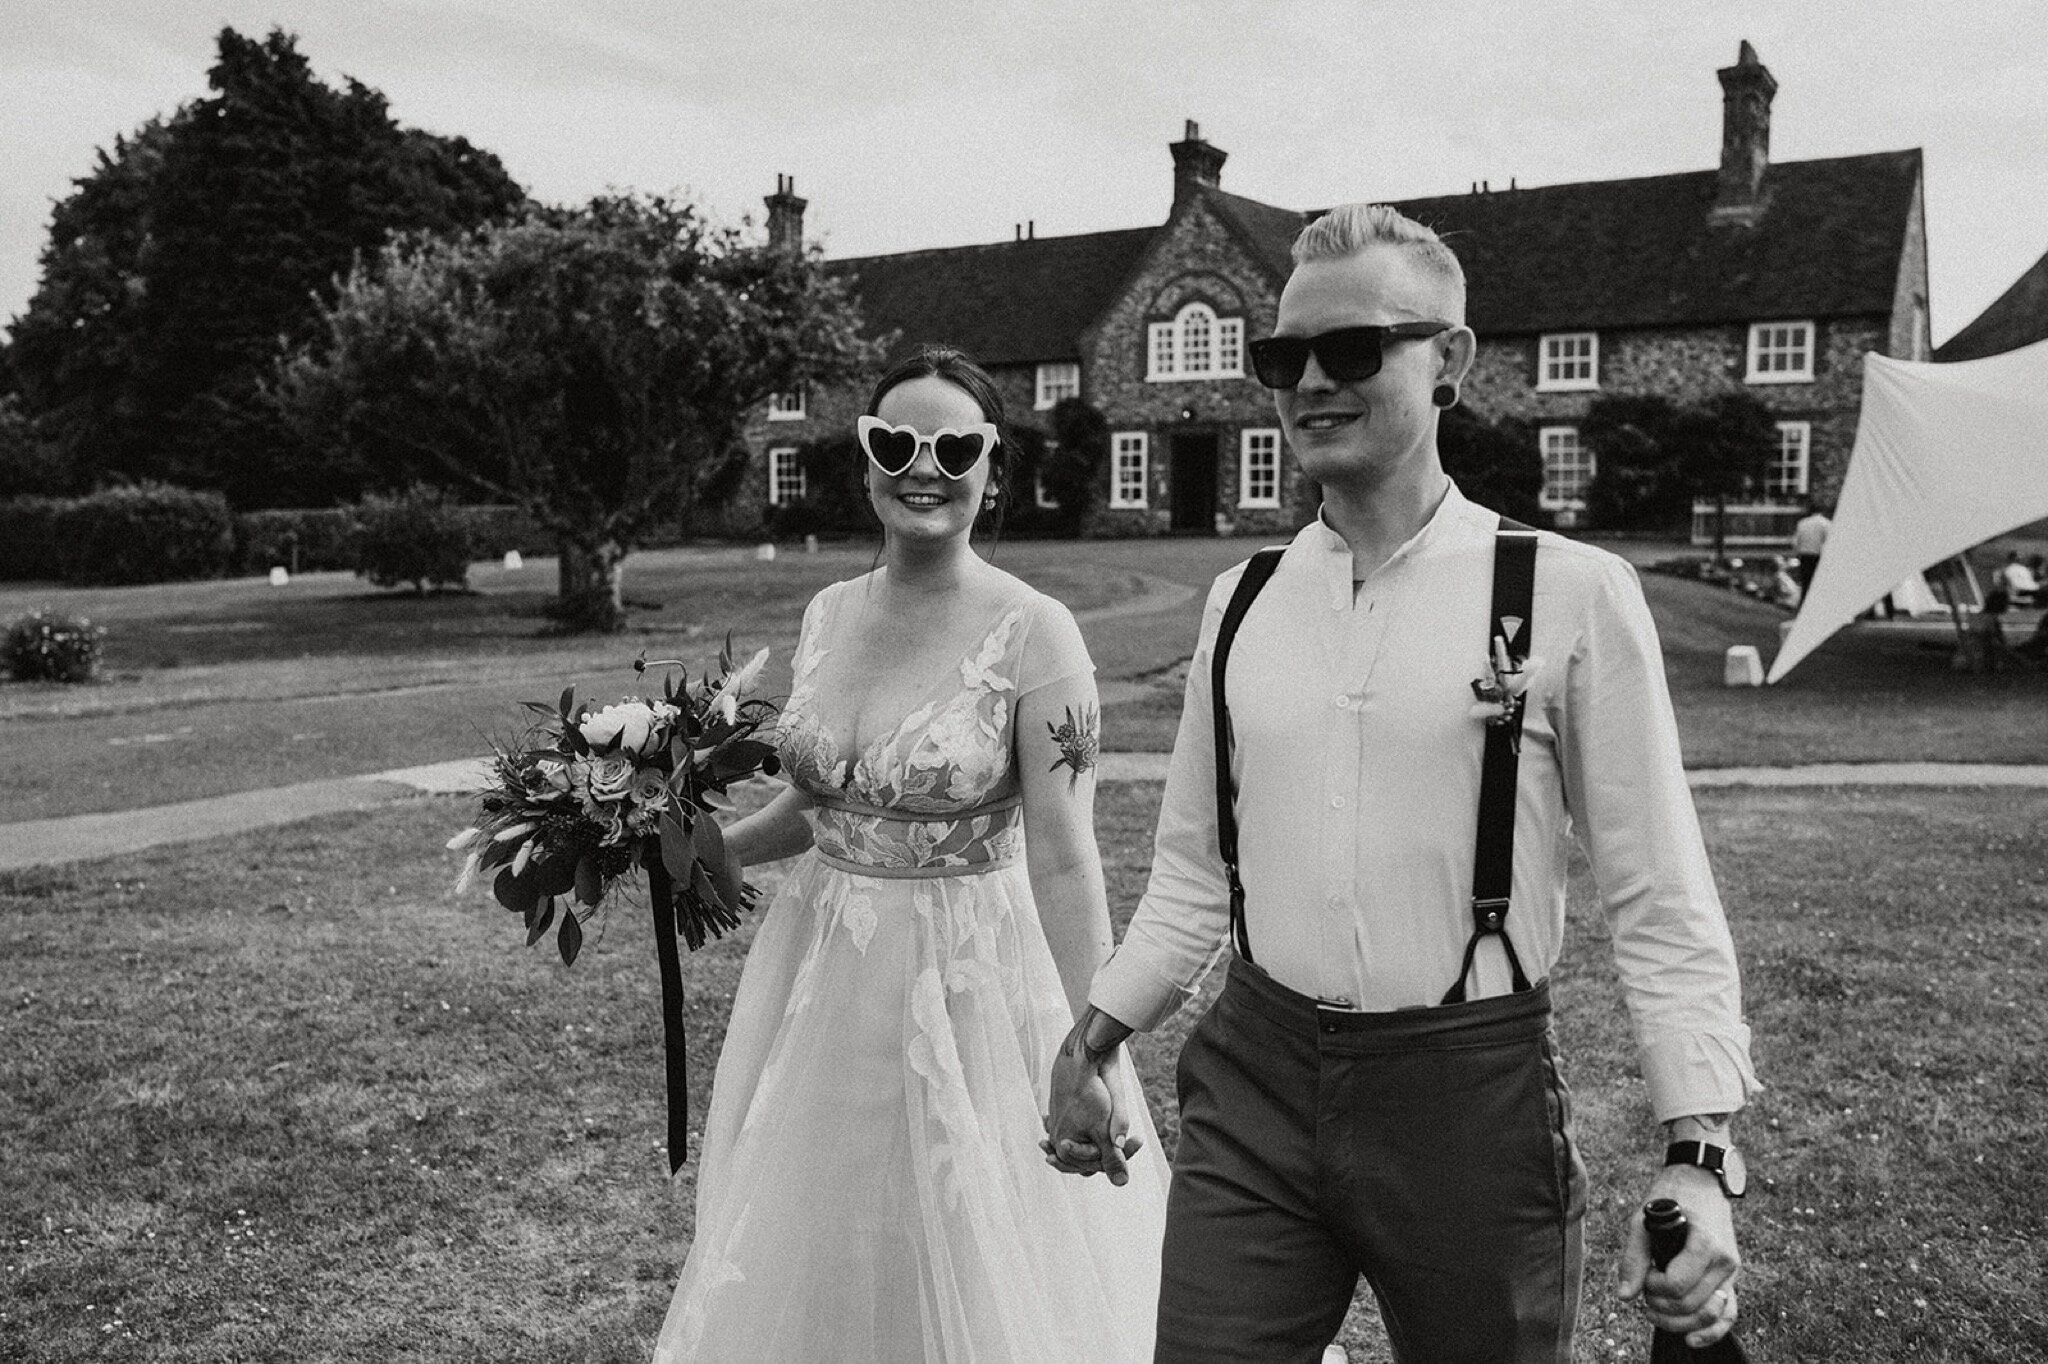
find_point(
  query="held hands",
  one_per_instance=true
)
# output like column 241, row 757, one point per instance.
column 1695, row 1295
column 1092, row 1098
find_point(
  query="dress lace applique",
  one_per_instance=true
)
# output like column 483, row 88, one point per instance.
column 949, row 755
column 860, row 919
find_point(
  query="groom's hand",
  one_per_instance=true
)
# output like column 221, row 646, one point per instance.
column 1087, row 1126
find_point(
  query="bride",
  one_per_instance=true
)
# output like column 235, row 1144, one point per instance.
column 871, row 1186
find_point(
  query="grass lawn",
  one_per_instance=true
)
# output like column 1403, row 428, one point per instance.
column 230, row 686
column 284, row 1097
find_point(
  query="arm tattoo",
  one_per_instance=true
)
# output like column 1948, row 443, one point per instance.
column 1078, row 743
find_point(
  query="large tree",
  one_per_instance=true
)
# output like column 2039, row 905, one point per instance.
column 1653, row 458
column 594, row 365
column 1639, row 481
column 196, row 243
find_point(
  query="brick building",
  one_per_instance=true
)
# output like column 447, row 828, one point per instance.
column 1774, row 278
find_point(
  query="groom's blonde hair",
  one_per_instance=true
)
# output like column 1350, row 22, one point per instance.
column 1351, row 228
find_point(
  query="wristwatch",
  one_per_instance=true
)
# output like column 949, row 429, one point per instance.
column 1723, row 1162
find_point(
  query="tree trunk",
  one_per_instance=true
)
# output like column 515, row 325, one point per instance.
column 1720, row 528
column 590, row 592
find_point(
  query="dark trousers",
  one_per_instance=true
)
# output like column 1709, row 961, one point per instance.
column 1808, row 564
column 1429, row 1150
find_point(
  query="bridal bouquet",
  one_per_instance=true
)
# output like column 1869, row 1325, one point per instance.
column 589, row 795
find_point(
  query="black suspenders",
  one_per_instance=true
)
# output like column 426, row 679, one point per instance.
column 1493, row 861
column 1493, row 855
column 1256, row 572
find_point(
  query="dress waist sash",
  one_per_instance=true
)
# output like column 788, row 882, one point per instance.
column 927, row 872
column 902, row 816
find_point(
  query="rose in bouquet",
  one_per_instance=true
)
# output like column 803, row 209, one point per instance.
column 590, row 795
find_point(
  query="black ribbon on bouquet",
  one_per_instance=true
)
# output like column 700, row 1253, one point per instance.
column 661, row 894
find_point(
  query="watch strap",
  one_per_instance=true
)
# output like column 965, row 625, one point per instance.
column 1709, row 1157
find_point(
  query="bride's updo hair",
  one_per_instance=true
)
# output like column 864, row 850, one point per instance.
column 950, row 363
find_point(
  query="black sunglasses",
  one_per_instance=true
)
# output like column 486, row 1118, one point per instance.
column 1347, row 354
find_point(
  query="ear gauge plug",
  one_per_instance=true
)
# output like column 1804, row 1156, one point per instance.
column 1444, row 396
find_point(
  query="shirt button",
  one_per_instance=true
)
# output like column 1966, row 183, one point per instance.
column 1336, row 902
column 1343, row 701
column 1336, row 802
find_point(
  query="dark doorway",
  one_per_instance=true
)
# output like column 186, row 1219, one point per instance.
column 1194, row 482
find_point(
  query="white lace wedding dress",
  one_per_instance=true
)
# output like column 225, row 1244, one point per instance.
column 870, row 1186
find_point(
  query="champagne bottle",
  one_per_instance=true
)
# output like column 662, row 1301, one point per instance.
column 1668, row 1228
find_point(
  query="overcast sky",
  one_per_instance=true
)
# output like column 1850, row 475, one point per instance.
column 941, row 122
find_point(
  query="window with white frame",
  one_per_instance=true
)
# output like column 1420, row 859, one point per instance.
column 1130, row 456
column 1569, row 360
column 785, row 477
column 1780, row 353
column 1787, row 479
column 1197, row 344
column 1567, row 468
column 1057, row 381
column 1258, row 468
column 786, row 407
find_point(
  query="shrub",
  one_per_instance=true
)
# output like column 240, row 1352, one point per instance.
column 152, row 533
column 417, row 537
column 45, row 647
column 307, row 540
column 493, row 530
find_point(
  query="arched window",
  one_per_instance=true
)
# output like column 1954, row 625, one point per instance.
column 1195, row 322
column 1197, row 344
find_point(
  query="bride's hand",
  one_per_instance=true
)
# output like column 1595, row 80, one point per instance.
column 1088, row 1131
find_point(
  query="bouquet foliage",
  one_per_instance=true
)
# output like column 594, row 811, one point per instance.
column 590, row 794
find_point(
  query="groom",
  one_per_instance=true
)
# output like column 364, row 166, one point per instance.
column 1377, row 1089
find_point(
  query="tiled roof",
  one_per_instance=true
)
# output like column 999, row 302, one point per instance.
column 1606, row 253
column 2018, row 318
column 1634, row 253
column 1007, row 303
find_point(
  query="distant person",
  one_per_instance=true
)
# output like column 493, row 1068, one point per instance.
column 1809, row 537
column 2022, row 586
column 1984, row 649
column 1786, row 589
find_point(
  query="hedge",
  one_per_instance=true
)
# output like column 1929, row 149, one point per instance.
column 39, row 537
column 151, row 533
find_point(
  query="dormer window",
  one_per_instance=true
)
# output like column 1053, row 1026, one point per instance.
column 1568, row 361
column 1197, row 344
column 786, row 407
column 1055, row 382
column 1780, row 353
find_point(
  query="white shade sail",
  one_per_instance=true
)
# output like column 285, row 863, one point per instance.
column 1946, row 457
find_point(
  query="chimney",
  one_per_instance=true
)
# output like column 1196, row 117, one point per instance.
column 786, row 217
column 1195, row 162
column 1746, row 91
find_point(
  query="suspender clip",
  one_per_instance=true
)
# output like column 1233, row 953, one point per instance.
column 1488, row 915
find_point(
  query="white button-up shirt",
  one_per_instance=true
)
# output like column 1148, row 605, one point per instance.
column 1357, row 761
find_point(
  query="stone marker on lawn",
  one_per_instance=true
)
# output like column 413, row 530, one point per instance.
column 1743, row 667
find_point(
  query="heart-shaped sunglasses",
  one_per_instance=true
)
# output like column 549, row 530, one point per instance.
column 955, row 449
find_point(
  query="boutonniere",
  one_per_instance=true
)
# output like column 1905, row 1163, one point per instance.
column 1501, row 694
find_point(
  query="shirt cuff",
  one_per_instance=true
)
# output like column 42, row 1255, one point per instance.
column 1702, row 1072
column 1134, row 994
